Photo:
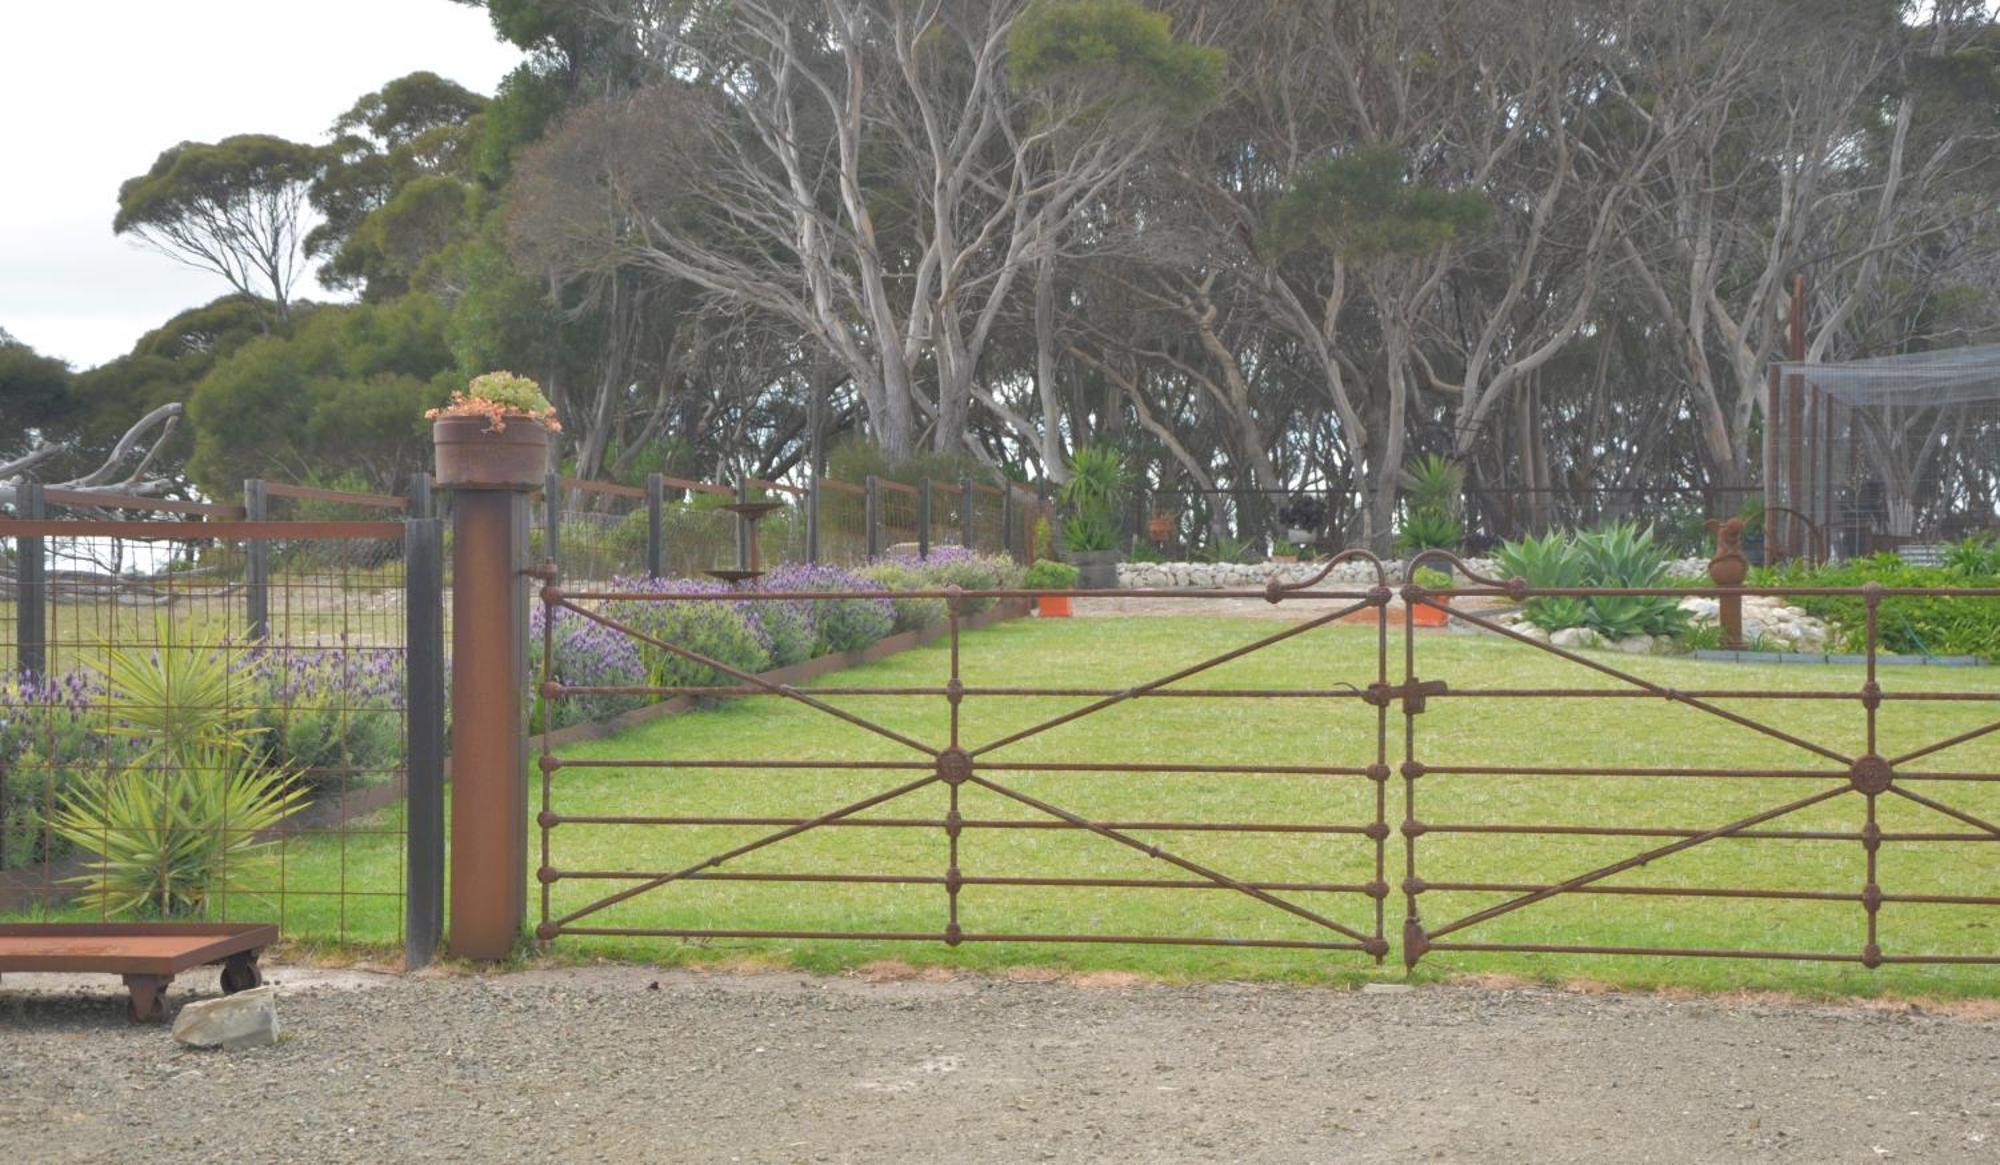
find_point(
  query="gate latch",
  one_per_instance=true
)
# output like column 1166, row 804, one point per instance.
column 1413, row 692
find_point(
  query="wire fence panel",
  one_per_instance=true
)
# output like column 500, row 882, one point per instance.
column 989, row 520
column 178, row 742
column 843, row 523
column 602, row 530
column 899, row 505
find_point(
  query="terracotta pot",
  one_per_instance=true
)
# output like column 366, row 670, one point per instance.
column 1052, row 606
column 471, row 454
column 1427, row 616
column 1159, row 527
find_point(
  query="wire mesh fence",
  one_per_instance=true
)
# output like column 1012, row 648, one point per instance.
column 179, row 743
column 897, row 508
column 843, row 523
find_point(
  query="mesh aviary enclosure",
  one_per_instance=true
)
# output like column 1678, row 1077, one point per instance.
column 1892, row 453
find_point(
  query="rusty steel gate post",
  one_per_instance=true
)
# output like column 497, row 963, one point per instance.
column 489, row 759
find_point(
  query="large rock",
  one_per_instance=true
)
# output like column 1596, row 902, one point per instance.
column 1575, row 638
column 247, row 1019
column 1636, row 645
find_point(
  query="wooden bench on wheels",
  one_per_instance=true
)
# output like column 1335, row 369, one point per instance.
column 147, row 954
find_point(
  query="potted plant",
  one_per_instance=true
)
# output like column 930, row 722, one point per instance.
column 1303, row 516
column 1051, row 576
column 1433, row 492
column 1422, row 614
column 1090, row 499
column 494, row 434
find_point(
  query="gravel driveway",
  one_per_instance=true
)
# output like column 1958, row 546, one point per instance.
column 631, row 1064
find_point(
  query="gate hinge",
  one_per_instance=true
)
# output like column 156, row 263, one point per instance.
column 1413, row 692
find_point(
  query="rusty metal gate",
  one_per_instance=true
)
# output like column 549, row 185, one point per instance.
column 925, row 779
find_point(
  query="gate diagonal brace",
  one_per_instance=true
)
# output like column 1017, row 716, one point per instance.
column 1413, row 692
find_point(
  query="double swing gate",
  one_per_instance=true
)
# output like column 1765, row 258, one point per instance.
column 1349, row 781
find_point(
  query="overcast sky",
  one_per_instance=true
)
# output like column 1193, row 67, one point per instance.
column 90, row 93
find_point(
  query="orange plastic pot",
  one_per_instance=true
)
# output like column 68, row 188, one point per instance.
column 1424, row 615
column 1052, row 606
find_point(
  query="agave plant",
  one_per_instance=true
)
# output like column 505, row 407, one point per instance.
column 1624, row 555
column 1551, row 561
column 174, row 838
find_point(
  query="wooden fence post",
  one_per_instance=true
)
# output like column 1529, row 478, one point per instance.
column 656, row 526
column 965, row 513
column 924, row 503
column 257, row 565
column 423, row 610
column 31, row 587
column 874, row 517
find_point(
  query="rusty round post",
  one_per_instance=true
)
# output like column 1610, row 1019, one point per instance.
column 489, row 657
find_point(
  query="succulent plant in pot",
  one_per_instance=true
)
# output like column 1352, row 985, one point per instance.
column 494, row 434
column 1431, row 580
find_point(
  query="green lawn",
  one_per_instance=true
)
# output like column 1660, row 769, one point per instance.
column 1317, row 732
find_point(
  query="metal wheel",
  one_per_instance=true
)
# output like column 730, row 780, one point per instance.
column 240, row 973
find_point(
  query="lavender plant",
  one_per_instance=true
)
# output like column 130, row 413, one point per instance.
column 327, row 714
column 586, row 654
column 717, row 629
column 48, row 741
column 842, row 624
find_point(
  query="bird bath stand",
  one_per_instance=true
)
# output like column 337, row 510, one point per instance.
column 749, row 565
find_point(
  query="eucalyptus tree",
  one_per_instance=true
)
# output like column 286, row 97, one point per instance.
column 880, row 175
column 237, row 207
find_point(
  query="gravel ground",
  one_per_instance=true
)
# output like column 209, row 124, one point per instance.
column 632, row 1064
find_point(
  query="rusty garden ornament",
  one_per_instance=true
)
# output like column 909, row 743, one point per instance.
column 494, row 434
column 1729, row 567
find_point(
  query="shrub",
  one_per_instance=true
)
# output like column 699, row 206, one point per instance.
column 1051, row 576
column 716, row 628
column 1916, row 625
column 839, row 624
column 955, row 566
column 901, row 574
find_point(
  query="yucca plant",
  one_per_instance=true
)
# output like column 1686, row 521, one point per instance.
column 1090, row 498
column 1433, row 499
column 173, row 838
column 177, row 696
column 180, row 824
column 1434, row 482
column 1428, row 529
